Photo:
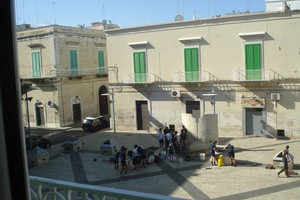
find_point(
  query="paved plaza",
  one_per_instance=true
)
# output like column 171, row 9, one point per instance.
column 194, row 179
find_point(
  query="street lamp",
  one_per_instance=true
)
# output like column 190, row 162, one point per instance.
column 28, row 119
column 113, row 107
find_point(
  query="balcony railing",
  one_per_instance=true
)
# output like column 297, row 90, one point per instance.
column 43, row 189
column 140, row 78
column 253, row 75
column 190, row 77
column 51, row 71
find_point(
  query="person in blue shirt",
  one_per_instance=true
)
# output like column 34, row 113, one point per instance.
column 230, row 151
column 212, row 152
column 285, row 160
column 160, row 138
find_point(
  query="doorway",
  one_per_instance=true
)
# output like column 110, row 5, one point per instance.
column 77, row 113
column 192, row 107
column 142, row 115
column 39, row 113
column 103, row 101
column 254, row 121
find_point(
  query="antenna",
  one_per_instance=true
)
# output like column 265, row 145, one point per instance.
column 248, row 5
column 103, row 11
column 54, row 2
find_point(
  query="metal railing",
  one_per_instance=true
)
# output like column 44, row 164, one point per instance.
column 185, row 77
column 52, row 71
column 252, row 75
column 43, row 189
column 139, row 78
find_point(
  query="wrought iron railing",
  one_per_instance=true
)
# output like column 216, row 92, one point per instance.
column 43, row 189
column 51, row 71
column 252, row 75
column 195, row 76
column 139, row 78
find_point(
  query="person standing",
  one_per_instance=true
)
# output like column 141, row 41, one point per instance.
column 285, row 160
column 230, row 151
column 183, row 133
column 124, row 166
column 168, row 139
column 160, row 138
column 212, row 151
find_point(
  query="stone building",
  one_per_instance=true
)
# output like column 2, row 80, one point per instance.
column 231, row 75
column 67, row 67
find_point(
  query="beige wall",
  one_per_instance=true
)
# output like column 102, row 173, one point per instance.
column 221, row 52
column 220, row 47
column 54, row 43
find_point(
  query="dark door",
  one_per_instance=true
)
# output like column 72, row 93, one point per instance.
column 192, row 106
column 103, row 101
column 142, row 115
column 254, row 121
column 40, row 120
column 77, row 113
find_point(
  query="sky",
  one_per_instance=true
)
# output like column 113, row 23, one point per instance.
column 125, row 13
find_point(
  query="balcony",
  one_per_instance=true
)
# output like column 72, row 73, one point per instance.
column 254, row 75
column 26, row 72
column 43, row 188
column 192, row 77
column 141, row 78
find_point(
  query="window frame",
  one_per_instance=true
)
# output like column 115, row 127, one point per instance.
column 73, row 72
column 101, row 61
column 36, row 73
column 194, row 77
column 253, row 42
column 138, row 77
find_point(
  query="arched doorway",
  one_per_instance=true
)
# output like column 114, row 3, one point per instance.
column 40, row 113
column 103, row 103
column 76, row 108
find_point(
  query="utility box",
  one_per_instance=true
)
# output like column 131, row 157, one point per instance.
column 37, row 157
column 109, row 147
column 72, row 145
column 280, row 132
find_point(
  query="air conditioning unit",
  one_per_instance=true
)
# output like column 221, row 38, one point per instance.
column 275, row 96
column 175, row 93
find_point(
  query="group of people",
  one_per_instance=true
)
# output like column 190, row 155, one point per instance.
column 231, row 154
column 230, row 151
column 137, row 156
column 167, row 136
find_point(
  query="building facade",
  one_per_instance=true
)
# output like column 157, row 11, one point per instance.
column 233, row 75
column 67, row 67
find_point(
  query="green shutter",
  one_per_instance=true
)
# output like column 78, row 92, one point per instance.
column 36, row 64
column 139, row 66
column 191, row 62
column 101, row 62
column 73, row 62
column 253, row 61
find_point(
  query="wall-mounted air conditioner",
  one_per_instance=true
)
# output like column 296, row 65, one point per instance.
column 175, row 93
column 275, row 96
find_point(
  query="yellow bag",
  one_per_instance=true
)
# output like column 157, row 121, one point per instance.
column 221, row 161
